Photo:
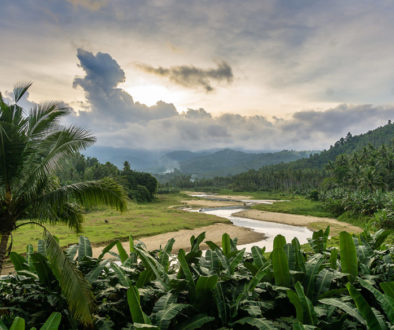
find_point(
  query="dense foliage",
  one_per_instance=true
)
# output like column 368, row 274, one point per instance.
column 32, row 143
column 225, row 287
column 140, row 186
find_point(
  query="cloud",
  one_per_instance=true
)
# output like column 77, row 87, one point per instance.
column 103, row 74
column 118, row 121
column 89, row 4
column 193, row 77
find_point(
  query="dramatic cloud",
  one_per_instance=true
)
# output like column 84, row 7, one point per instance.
column 192, row 77
column 108, row 103
column 118, row 121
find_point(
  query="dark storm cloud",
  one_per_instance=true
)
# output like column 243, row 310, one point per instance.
column 109, row 103
column 193, row 77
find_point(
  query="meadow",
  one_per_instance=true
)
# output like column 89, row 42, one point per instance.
column 143, row 219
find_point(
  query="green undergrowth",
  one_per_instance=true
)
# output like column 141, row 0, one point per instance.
column 349, row 287
column 145, row 219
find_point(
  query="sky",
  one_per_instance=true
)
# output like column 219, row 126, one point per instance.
column 198, row 75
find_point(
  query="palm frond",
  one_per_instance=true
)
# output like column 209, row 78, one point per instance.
column 88, row 194
column 20, row 89
column 46, row 153
column 43, row 118
column 74, row 286
column 67, row 213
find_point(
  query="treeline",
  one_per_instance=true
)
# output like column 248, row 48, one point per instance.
column 300, row 176
column 140, row 186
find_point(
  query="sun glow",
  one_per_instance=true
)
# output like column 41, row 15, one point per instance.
column 150, row 94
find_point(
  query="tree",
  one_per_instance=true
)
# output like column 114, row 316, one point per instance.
column 31, row 147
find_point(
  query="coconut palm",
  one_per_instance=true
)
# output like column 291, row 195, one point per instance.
column 31, row 148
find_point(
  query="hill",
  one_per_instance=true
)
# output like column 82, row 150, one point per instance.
column 229, row 162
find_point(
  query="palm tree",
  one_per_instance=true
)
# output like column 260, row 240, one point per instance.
column 31, row 148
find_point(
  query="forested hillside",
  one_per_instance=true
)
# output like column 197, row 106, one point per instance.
column 304, row 174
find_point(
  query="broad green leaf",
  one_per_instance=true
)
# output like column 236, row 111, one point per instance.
column 386, row 302
column 293, row 298
column 363, row 307
column 85, row 248
column 258, row 257
column 165, row 316
column 212, row 245
column 347, row 251
column 18, row 324
column 144, row 277
column 226, row 245
column 196, row 322
column 186, row 271
column 388, row 288
column 122, row 252
column 260, row 323
column 42, row 268
column 333, row 258
column 71, row 251
column 300, row 259
column 236, row 260
column 350, row 310
column 74, row 286
column 279, row 262
column 204, row 286
column 53, row 322
column 165, row 253
column 123, row 279
column 163, row 302
column 41, row 247
column 18, row 261
column 379, row 237
column 29, row 252
column 131, row 244
column 106, row 249
column 221, row 304
column 152, row 264
column 312, row 269
column 133, row 299
column 309, row 312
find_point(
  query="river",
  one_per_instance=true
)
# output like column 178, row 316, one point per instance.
column 270, row 229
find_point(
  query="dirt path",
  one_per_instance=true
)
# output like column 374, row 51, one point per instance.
column 182, row 237
column 311, row 222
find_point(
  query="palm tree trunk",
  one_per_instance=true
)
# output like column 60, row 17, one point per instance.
column 3, row 248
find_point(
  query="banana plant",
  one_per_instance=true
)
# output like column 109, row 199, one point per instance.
column 52, row 323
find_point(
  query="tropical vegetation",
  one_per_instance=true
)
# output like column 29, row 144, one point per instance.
column 31, row 148
column 350, row 287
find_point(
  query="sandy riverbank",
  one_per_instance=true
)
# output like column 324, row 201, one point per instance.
column 311, row 222
column 182, row 237
column 197, row 203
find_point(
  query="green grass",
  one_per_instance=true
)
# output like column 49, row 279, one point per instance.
column 259, row 194
column 139, row 220
column 298, row 205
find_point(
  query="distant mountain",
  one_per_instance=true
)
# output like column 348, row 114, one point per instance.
column 200, row 164
column 229, row 161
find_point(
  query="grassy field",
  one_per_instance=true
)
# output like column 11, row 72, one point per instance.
column 139, row 220
column 298, row 205
column 259, row 194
